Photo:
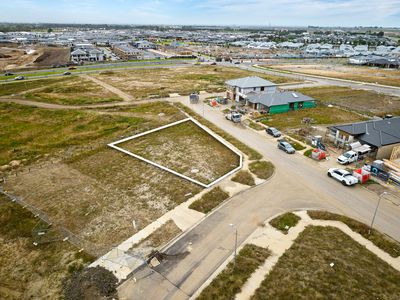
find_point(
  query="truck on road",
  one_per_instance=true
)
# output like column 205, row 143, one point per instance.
column 234, row 117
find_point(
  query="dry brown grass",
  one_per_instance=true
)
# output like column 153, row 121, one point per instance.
column 362, row 101
column 28, row 271
column 285, row 221
column 304, row 271
column 145, row 83
column 186, row 148
column 244, row 177
column 262, row 169
column 74, row 90
column 357, row 73
column 161, row 236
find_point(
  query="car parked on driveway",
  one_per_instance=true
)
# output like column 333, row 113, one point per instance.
column 19, row 78
column 285, row 146
column 345, row 177
column 273, row 131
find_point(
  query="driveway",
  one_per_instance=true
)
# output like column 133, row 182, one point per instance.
column 298, row 183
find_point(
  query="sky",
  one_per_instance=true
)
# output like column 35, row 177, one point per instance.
column 385, row 13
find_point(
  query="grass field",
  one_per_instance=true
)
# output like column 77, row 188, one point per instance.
column 285, row 221
column 7, row 89
column 321, row 115
column 90, row 189
column 28, row 271
column 244, row 177
column 161, row 82
column 187, row 149
column 380, row 240
column 357, row 73
column 74, row 90
column 210, row 200
column 262, row 169
column 304, row 271
column 362, row 101
column 231, row 280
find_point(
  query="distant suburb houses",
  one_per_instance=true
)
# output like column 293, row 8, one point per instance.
column 264, row 96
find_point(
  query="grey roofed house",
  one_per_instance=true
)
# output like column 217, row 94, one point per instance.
column 249, row 82
column 277, row 98
column 376, row 133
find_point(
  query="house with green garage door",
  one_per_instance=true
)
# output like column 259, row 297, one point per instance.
column 279, row 101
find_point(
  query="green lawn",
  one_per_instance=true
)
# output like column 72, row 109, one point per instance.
column 285, row 221
column 304, row 271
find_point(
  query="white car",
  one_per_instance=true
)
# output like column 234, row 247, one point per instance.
column 343, row 176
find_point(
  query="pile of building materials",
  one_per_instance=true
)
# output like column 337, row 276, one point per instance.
column 318, row 154
column 362, row 175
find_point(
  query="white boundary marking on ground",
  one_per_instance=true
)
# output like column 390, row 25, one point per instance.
column 210, row 132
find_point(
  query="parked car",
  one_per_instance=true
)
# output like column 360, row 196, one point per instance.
column 347, row 158
column 19, row 78
column 72, row 68
column 345, row 177
column 285, row 146
column 234, row 117
column 273, row 131
column 8, row 74
column 67, row 73
column 213, row 64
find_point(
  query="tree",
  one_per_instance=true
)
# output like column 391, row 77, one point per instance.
column 49, row 30
column 380, row 34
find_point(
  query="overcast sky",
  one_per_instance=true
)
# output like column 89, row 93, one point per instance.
column 206, row 12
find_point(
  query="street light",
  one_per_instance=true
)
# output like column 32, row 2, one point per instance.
column 376, row 210
column 235, row 248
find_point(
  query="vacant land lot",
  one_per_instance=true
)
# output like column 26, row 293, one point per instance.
column 304, row 271
column 187, row 149
column 28, row 271
column 321, row 115
column 367, row 102
column 91, row 189
column 73, row 90
column 17, row 58
column 161, row 82
column 7, row 89
column 358, row 73
column 231, row 280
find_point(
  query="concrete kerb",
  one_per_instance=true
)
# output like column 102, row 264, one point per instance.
column 210, row 132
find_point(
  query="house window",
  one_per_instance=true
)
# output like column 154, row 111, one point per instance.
column 262, row 88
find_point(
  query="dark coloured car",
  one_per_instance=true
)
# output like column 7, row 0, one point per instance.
column 8, row 74
column 273, row 131
column 285, row 146
column 67, row 73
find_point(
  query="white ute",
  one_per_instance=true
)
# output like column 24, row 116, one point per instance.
column 234, row 117
column 343, row 176
column 347, row 158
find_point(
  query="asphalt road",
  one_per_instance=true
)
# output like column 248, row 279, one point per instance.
column 299, row 183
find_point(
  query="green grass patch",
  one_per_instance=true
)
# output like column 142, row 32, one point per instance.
column 210, row 200
column 308, row 152
column 321, row 115
column 262, row 169
column 304, row 270
column 297, row 146
column 250, row 152
column 256, row 126
column 231, row 280
column 244, row 177
column 285, row 222
column 380, row 240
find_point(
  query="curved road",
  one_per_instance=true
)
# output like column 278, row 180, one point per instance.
column 298, row 183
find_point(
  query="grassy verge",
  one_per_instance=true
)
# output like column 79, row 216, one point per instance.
column 251, row 153
column 21, row 86
column 380, row 240
column 297, row 146
column 209, row 200
column 255, row 126
column 285, row 222
column 231, row 280
column 262, row 169
column 304, row 271
column 244, row 177
column 308, row 152
column 28, row 271
column 321, row 115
